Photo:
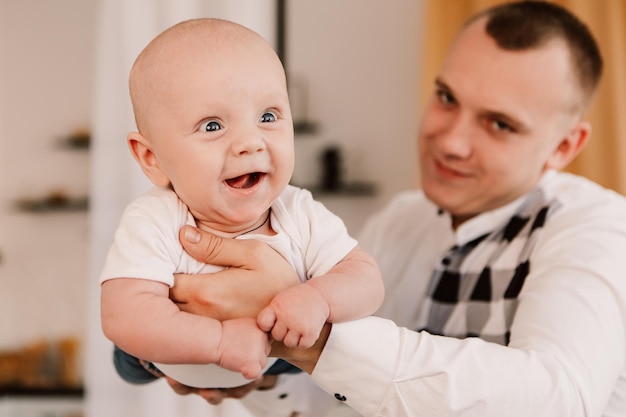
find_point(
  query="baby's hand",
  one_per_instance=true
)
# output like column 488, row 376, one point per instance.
column 295, row 316
column 243, row 347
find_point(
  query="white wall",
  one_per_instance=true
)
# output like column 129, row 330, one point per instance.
column 45, row 93
column 359, row 59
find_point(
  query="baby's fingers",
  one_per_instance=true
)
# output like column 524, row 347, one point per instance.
column 279, row 331
column 292, row 339
column 252, row 370
column 307, row 340
column 266, row 319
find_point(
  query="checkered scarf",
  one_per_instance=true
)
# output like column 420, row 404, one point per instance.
column 474, row 288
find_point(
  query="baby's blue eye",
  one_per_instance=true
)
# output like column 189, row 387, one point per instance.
column 210, row 126
column 268, row 117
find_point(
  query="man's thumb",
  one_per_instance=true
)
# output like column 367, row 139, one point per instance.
column 202, row 246
column 211, row 249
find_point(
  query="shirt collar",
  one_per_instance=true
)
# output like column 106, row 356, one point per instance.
column 486, row 222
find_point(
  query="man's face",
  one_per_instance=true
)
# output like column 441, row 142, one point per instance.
column 497, row 120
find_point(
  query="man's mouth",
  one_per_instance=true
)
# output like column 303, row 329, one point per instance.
column 245, row 181
column 449, row 172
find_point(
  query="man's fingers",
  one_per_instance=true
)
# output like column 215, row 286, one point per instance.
column 179, row 388
column 211, row 249
column 212, row 396
column 204, row 247
column 242, row 391
column 179, row 293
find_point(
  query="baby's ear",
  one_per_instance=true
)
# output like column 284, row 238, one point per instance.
column 147, row 159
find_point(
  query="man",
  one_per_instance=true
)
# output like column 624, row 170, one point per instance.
column 505, row 275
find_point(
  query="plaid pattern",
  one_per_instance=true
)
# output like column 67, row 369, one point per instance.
column 474, row 288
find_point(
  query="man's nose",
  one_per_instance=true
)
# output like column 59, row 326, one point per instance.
column 454, row 139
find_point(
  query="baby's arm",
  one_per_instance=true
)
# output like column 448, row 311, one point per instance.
column 351, row 289
column 138, row 316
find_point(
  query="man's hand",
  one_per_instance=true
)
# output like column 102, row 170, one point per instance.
column 215, row 396
column 256, row 273
column 295, row 316
column 250, row 261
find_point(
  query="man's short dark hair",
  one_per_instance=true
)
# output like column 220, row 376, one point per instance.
column 531, row 24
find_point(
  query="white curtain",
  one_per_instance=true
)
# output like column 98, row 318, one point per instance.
column 124, row 28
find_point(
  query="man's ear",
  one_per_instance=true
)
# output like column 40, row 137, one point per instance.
column 147, row 159
column 570, row 146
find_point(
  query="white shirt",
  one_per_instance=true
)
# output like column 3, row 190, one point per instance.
column 567, row 354
column 146, row 242
column 308, row 235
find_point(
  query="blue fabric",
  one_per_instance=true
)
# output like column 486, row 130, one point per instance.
column 282, row 367
column 129, row 368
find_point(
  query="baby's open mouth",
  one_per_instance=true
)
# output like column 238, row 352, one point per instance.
column 245, row 181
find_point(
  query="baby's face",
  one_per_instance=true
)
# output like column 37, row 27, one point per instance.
column 223, row 133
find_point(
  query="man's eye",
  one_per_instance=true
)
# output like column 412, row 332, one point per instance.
column 210, row 126
column 445, row 97
column 501, row 126
column 268, row 117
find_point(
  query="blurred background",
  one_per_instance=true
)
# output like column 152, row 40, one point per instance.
column 358, row 73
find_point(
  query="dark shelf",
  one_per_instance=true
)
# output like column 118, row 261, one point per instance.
column 52, row 204
column 356, row 189
column 52, row 391
column 77, row 141
column 304, row 128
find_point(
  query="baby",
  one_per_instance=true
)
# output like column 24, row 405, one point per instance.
column 215, row 137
